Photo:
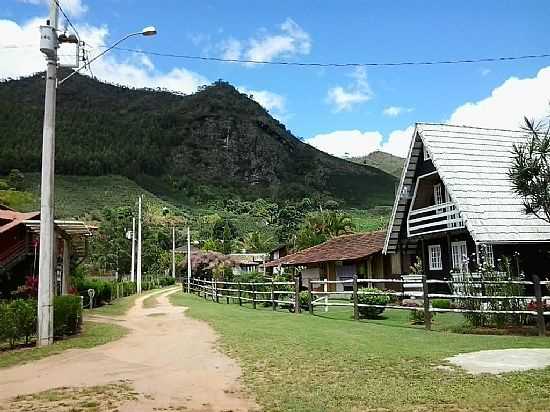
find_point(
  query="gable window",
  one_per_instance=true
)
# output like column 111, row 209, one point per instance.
column 434, row 256
column 438, row 196
column 459, row 252
column 426, row 153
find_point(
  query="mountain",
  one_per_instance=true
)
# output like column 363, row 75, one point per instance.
column 214, row 144
column 381, row 160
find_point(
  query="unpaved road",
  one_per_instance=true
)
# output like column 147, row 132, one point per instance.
column 169, row 359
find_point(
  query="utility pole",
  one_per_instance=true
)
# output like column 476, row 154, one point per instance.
column 188, row 260
column 139, row 248
column 174, row 252
column 46, row 274
column 133, row 267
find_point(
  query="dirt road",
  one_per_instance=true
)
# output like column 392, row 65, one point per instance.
column 168, row 362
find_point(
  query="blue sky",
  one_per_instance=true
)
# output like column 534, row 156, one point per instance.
column 355, row 110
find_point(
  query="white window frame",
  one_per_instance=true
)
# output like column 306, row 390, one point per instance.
column 426, row 154
column 435, row 257
column 489, row 255
column 459, row 254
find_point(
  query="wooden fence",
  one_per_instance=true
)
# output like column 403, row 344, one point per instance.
column 320, row 295
column 276, row 294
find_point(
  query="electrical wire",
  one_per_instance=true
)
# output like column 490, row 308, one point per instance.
column 319, row 64
column 313, row 64
column 67, row 19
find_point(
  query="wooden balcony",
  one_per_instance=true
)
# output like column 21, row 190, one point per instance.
column 432, row 219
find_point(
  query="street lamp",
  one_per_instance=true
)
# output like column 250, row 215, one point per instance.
column 147, row 31
column 49, row 44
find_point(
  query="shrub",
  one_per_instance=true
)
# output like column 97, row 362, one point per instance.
column 8, row 327
column 441, row 304
column 304, row 299
column 416, row 317
column 67, row 315
column 25, row 317
column 369, row 296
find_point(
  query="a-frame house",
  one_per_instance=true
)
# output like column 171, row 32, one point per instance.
column 456, row 204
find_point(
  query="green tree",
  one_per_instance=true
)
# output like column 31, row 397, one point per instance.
column 530, row 171
column 16, row 179
column 257, row 242
column 318, row 227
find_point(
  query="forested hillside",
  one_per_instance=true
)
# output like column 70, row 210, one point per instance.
column 212, row 144
column 381, row 160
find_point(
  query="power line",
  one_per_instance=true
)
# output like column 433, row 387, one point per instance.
column 313, row 64
column 67, row 19
column 319, row 64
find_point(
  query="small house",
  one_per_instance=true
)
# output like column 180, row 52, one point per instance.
column 456, row 206
column 341, row 258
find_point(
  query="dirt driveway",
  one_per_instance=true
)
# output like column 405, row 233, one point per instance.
column 167, row 362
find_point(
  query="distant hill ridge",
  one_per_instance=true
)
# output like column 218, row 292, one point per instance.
column 384, row 161
column 216, row 141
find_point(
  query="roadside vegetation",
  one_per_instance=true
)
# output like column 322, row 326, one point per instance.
column 330, row 362
column 93, row 334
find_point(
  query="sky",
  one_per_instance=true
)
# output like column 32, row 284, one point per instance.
column 345, row 111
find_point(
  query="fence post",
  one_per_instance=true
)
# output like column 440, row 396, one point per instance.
column 226, row 293
column 427, row 313
column 216, row 288
column 310, row 297
column 273, row 295
column 355, row 299
column 540, row 308
column 297, row 294
column 240, row 300
column 253, row 296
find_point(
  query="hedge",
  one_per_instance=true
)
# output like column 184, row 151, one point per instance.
column 18, row 319
column 106, row 291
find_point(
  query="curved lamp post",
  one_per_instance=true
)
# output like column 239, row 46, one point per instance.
column 147, row 31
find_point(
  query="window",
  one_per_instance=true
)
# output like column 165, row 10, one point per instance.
column 426, row 154
column 434, row 253
column 459, row 252
column 488, row 255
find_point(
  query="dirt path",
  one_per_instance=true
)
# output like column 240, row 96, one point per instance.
column 169, row 359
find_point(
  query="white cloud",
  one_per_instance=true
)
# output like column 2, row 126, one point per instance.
column 485, row 71
column 508, row 103
column 231, row 49
column 74, row 8
column 292, row 40
column 134, row 70
column 345, row 98
column 344, row 143
column 504, row 108
column 289, row 40
column 269, row 100
column 394, row 111
column 398, row 142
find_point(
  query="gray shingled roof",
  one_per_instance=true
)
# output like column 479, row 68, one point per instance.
column 473, row 164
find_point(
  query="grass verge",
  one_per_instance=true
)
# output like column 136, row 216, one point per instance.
column 150, row 302
column 331, row 363
column 93, row 334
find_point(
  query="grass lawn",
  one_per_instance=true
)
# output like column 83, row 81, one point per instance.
column 93, row 334
column 331, row 363
column 118, row 308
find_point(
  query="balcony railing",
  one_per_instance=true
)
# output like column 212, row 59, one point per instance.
column 438, row 218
